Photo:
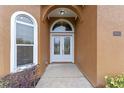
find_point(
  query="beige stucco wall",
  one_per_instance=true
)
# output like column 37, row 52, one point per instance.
column 86, row 43
column 110, row 49
column 97, row 51
column 5, row 17
column 43, row 45
column 85, row 39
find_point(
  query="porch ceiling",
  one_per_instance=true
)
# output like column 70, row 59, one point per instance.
column 52, row 10
column 62, row 12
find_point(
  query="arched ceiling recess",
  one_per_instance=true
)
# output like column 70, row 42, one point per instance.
column 74, row 11
column 62, row 12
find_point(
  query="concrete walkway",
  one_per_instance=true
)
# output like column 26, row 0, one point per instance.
column 63, row 76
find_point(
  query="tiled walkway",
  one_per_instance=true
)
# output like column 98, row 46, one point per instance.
column 63, row 76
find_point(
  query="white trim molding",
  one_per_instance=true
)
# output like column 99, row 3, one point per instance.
column 13, row 49
column 64, row 33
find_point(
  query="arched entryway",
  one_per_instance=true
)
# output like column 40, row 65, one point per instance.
column 62, row 22
column 62, row 41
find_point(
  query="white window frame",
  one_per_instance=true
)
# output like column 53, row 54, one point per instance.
column 13, row 49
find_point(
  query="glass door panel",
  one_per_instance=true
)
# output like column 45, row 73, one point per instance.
column 62, row 48
column 57, row 46
column 66, row 45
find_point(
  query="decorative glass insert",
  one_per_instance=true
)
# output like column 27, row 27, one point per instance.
column 67, row 45
column 61, row 27
column 56, row 45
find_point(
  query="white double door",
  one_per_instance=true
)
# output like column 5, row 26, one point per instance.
column 62, row 48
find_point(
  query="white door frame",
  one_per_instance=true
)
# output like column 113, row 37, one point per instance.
column 72, row 49
column 60, row 34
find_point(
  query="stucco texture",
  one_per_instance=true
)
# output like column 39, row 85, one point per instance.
column 86, row 43
column 110, row 49
column 97, row 51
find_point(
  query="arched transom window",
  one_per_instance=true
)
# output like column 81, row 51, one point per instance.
column 23, row 41
column 62, row 26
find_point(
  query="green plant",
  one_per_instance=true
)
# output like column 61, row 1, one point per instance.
column 4, row 83
column 114, row 81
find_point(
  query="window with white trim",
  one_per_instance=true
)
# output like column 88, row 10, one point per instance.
column 23, row 41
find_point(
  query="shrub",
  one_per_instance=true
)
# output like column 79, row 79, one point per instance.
column 114, row 81
column 27, row 78
column 4, row 83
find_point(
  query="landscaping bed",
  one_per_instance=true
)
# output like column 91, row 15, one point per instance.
column 114, row 81
column 24, row 79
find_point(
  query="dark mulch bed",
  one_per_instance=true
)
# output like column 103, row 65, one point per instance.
column 24, row 79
